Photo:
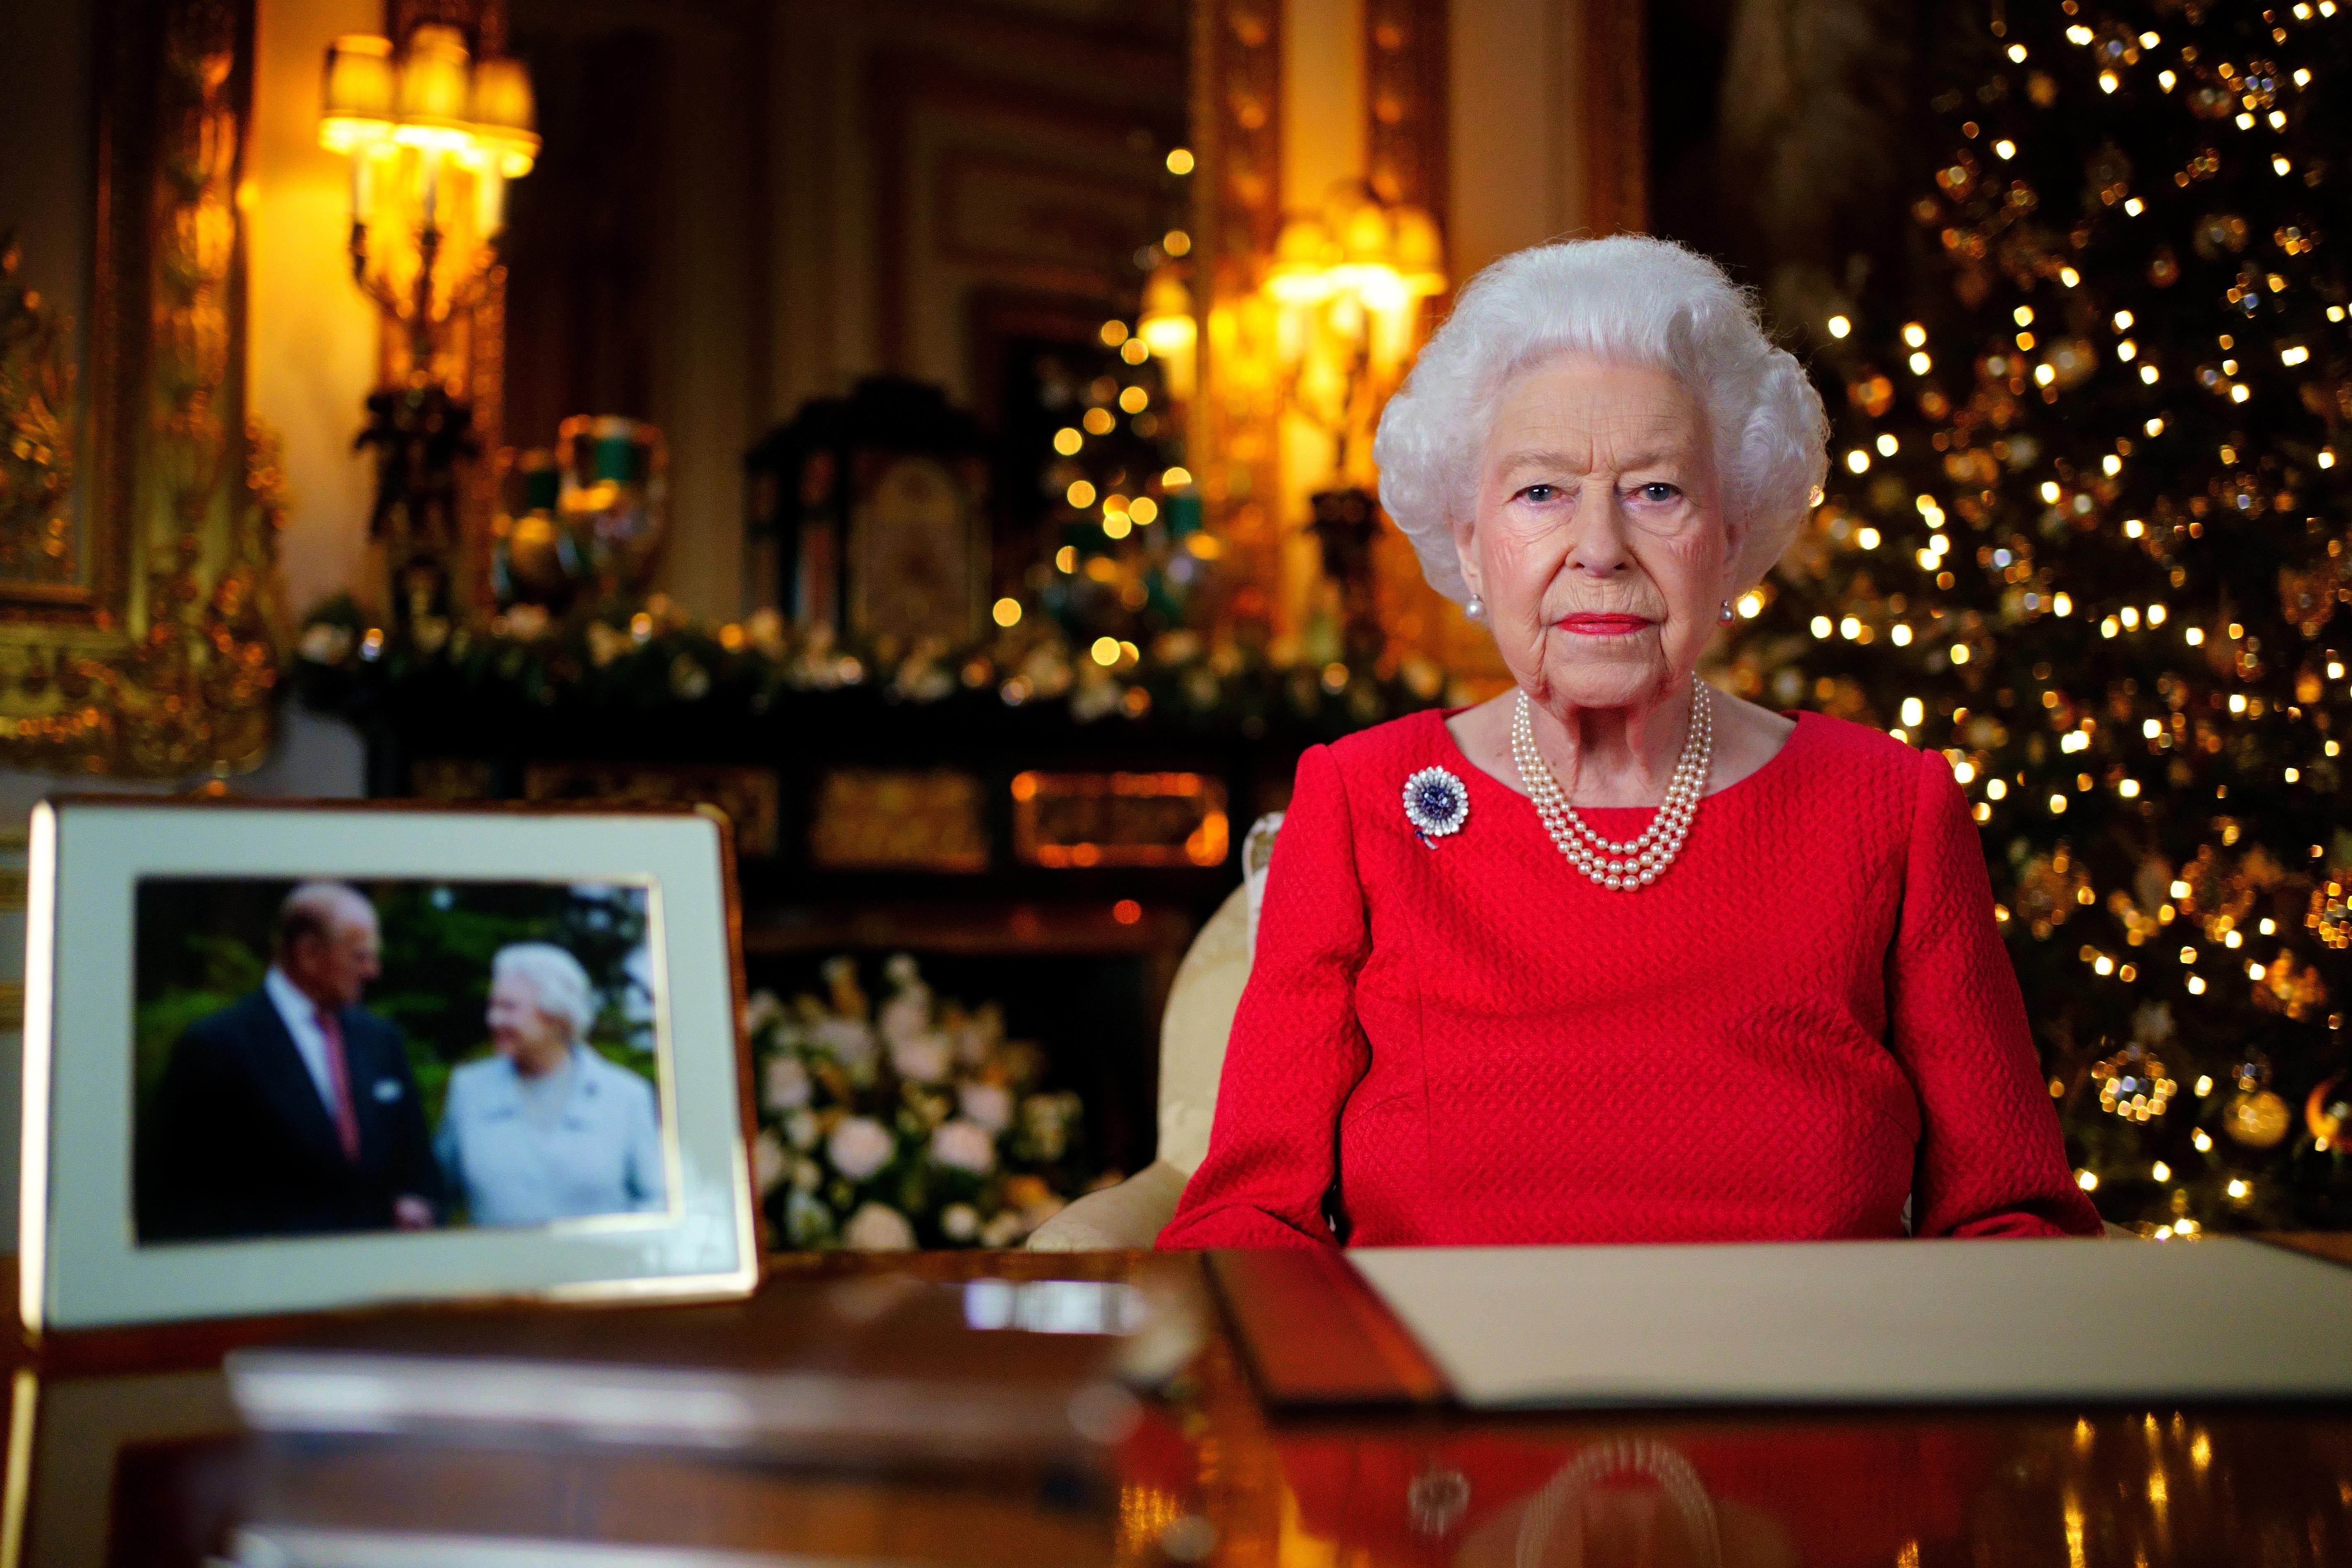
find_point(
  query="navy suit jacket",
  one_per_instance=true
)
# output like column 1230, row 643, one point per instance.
column 240, row 1144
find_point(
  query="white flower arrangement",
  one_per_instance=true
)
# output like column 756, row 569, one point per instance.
column 926, row 1057
column 961, row 1145
column 989, row 1104
column 913, row 1123
column 878, row 1227
column 784, row 1083
column 859, row 1147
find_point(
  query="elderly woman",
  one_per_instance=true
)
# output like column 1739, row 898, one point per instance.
column 1615, row 957
column 547, row 1129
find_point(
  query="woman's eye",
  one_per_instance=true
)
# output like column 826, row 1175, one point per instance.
column 1658, row 492
column 1540, row 494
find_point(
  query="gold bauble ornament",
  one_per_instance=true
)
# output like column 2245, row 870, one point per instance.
column 2255, row 1116
column 2258, row 1119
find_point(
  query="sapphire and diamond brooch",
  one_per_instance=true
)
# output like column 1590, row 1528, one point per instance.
column 1436, row 803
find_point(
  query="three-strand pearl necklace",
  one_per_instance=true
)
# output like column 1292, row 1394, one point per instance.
column 1639, row 860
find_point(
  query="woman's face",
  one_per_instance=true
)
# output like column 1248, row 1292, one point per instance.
column 1598, row 542
column 520, row 1030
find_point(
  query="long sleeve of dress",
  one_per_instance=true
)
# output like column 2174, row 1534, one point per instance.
column 1297, row 1049
column 1990, row 1160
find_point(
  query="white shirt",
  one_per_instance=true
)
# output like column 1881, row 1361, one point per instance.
column 301, row 1017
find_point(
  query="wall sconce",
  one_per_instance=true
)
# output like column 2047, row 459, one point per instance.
column 433, row 136
column 1169, row 329
column 1344, row 289
column 1346, row 285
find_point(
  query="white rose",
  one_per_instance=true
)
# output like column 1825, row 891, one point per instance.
column 847, row 1040
column 963, row 1145
column 859, row 1147
column 802, row 1129
column 990, row 1104
column 767, row 1163
column 923, row 1059
column 960, row 1222
column 878, row 1227
column 785, row 1086
column 761, row 1012
column 1002, row 1229
column 905, row 1016
column 808, row 1176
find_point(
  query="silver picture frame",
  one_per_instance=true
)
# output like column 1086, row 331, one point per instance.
column 84, row 1264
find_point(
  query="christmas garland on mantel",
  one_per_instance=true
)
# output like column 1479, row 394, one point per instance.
column 644, row 656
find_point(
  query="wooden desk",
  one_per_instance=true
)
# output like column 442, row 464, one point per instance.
column 135, row 1459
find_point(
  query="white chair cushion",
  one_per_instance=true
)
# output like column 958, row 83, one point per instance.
column 1201, row 1002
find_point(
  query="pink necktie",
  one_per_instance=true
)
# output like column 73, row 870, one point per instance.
column 339, row 1072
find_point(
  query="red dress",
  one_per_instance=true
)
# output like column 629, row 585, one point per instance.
column 1806, row 1020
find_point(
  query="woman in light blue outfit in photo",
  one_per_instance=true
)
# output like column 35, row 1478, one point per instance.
column 547, row 1129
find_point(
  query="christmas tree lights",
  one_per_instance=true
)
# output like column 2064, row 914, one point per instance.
column 2086, row 533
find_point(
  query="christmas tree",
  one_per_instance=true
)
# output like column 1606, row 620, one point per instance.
column 1111, row 500
column 2086, row 533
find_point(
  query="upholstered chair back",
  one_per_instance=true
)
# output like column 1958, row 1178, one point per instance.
column 1193, row 1027
column 1200, row 1006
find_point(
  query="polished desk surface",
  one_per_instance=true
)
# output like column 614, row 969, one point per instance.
column 135, row 1459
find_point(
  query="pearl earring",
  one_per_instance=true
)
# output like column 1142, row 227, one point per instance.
column 1476, row 609
column 1726, row 616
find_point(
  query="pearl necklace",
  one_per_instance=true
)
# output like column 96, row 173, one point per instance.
column 1639, row 860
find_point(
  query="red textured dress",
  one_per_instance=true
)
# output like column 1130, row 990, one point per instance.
column 1808, row 1019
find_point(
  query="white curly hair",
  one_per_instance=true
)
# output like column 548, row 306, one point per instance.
column 557, row 982
column 1627, row 298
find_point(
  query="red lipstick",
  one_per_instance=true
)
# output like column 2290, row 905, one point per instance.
column 1592, row 626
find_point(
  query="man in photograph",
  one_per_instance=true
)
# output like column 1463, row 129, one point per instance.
column 292, row 1110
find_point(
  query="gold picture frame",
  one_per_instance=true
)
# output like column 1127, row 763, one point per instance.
column 140, row 638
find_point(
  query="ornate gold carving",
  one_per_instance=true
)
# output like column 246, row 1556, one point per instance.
column 1405, row 64
column 1078, row 820
column 748, row 795
column 1237, row 139
column 452, row 778
column 156, row 654
column 36, row 437
column 192, row 694
column 881, row 819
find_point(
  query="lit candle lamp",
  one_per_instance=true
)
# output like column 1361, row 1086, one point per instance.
column 355, row 114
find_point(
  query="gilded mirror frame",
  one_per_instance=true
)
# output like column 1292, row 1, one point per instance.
column 140, row 637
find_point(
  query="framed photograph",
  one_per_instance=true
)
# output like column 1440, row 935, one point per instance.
column 288, row 1056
